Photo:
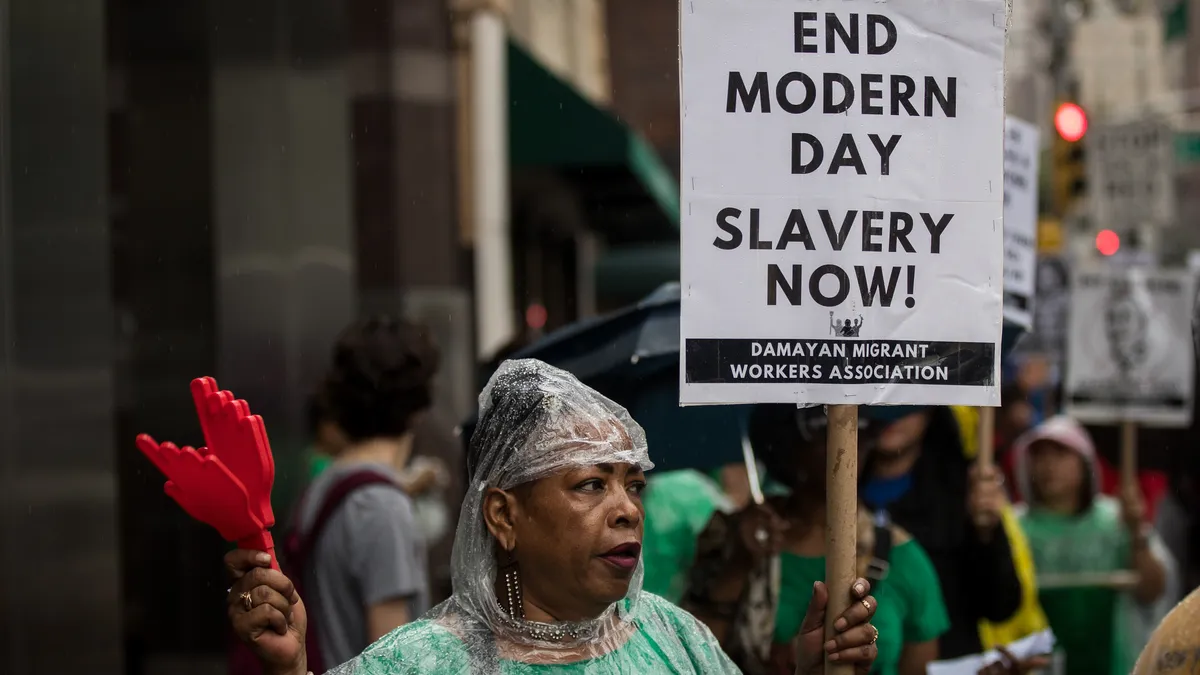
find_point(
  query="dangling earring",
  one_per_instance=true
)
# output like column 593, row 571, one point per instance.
column 512, row 587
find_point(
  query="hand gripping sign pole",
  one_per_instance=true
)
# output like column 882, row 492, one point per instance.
column 226, row 484
column 841, row 518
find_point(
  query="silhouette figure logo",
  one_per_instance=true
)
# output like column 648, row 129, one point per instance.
column 845, row 327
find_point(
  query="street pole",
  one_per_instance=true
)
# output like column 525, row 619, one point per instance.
column 484, row 67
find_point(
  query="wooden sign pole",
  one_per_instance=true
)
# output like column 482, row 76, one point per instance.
column 841, row 519
column 987, row 436
column 1129, row 454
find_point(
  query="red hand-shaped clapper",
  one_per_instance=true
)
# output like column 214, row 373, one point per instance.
column 228, row 484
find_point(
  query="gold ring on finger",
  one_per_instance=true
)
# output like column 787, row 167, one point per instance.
column 875, row 638
column 867, row 605
column 247, row 601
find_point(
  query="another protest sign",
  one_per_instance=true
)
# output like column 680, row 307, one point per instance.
column 1131, row 174
column 1020, row 220
column 842, row 179
column 1129, row 353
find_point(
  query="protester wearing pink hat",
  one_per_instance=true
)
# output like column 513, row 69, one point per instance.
column 1074, row 529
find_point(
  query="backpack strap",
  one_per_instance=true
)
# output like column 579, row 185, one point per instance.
column 305, row 541
column 300, row 545
column 877, row 569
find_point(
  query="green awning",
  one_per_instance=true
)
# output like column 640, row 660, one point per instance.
column 553, row 125
column 1175, row 21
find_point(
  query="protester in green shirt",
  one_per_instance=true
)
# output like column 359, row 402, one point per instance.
column 755, row 569
column 1073, row 530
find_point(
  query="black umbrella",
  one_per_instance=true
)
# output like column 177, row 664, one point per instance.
column 624, row 346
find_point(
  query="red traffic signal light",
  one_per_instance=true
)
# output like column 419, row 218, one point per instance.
column 1070, row 122
column 1107, row 242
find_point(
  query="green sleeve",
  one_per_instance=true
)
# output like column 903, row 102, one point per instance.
column 678, row 506
column 916, row 581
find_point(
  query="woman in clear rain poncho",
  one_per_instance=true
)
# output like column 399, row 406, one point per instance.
column 547, row 569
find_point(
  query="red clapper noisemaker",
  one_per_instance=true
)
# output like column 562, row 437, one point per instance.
column 228, row 484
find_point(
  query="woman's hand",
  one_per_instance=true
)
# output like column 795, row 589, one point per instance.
column 986, row 498
column 855, row 639
column 1010, row 665
column 267, row 613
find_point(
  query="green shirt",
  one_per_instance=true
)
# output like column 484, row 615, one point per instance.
column 668, row 640
column 911, row 608
column 317, row 463
column 1084, row 620
column 678, row 506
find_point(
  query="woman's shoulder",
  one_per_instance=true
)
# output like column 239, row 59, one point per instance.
column 655, row 609
column 661, row 620
column 423, row 646
column 653, row 604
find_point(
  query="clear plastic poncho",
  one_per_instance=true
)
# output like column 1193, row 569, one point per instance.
column 534, row 421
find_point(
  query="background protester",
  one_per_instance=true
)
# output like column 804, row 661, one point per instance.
column 366, row 571
column 1074, row 529
column 546, row 568
column 920, row 477
column 679, row 506
column 755, row 570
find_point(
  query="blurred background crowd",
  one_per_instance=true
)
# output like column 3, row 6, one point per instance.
column 210, row 187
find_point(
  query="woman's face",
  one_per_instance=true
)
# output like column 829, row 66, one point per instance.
column 577, row 538
column 903, row 434
column 1056, row 471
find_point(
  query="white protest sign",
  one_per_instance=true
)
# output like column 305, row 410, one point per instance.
column 1129, row 354
column 1020, row 219
column 1131, row 174
column 842, row 201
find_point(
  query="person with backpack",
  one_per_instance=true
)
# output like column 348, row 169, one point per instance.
column 356, row 547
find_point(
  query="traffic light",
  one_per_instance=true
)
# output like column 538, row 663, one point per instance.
column 1108, row 242
column 1070, row 173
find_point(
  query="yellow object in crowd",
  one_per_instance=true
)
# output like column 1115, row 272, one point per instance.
column 1029, row 618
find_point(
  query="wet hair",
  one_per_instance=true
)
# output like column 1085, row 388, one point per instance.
column 381, row 376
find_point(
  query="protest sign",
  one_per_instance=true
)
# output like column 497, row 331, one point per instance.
column 1020, row 220
column 1131, row 173
column 842, row 201
column 1129, row 354
column 1049, row 336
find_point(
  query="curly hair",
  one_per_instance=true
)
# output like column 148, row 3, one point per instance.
column 381, row 376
